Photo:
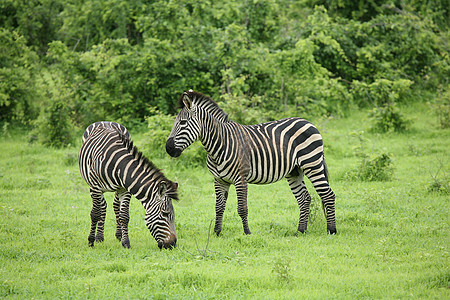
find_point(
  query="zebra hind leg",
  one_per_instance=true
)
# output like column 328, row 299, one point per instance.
column 221, row 190
column 320, row 181
column 298, row 188
column 98, row 209
column 328, row 199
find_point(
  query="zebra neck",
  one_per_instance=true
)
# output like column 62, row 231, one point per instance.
column 137, row 177
column 214, row 134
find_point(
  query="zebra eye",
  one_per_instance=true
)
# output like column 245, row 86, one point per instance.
column 183, row 122
column 165, row 213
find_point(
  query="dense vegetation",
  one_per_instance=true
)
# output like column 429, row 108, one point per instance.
column 66, row 64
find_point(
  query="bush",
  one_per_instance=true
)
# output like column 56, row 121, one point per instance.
column 441, row 107
column 372, row 167
column 375, row 168
column 159, row 127
column 18, row 93
column 440, row 181
column 53, row 127
column 381, row 91
column 388, row 118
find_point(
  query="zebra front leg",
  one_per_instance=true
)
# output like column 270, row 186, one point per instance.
column 116, row 205
column 298, row 188
column 124, row 217
column 221, row 189
column 241, row 193
column 98, row 214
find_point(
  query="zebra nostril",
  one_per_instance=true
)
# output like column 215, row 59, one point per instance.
column 170, row 148
column 170, row 144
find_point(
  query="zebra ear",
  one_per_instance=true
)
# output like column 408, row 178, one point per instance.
column 187, row 101
column 162, row 188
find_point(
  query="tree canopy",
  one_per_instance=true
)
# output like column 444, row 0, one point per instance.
column 89, row 60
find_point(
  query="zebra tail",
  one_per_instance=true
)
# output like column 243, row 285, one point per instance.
column 327, row 174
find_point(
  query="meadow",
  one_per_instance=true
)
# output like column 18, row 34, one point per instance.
column 392, row 241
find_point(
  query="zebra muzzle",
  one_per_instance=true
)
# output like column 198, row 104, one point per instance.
column 169, row 243
column 171, row 149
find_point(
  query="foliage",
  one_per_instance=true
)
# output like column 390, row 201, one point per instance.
column 441, row 107
column 53, row 128
column 375, row 168
column 36, row 21
column 116, row 59
column 388, row 118
column 440, row 181
column 372, row 167
column 18, row 66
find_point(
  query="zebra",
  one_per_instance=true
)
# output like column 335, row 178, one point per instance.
column 109, row 162
column 258, row 154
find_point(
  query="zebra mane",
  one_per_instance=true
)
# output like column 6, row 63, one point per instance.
column 149, row 165
column 205, row 102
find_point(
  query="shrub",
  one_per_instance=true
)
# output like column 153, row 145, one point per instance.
column 53, row 127
column 440, row 183
column 381, row 91
column 388, row 118
column 375, row 168
column 441, row 107
column 159, row 127
column 18, row 93
column 372, row 167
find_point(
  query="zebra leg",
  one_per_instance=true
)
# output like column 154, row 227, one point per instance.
column 221, row 189
column 124, row 217
column 320, row 181
column 98, row 214
column 298, row 188
column 116, row 205
column 241, row 193
column 328, row 199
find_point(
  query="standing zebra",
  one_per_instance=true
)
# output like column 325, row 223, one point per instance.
column 109, row 162
column 264, row 153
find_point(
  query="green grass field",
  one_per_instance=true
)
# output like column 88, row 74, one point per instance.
column 392, row 242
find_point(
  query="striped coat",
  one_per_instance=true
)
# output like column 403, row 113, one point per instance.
column 263, row 153
column 109, row 162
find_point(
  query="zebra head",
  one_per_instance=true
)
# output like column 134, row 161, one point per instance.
column 160, row 216
column 186, row 128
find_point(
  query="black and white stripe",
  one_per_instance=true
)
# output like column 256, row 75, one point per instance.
column 109, row 162
column 264, row 153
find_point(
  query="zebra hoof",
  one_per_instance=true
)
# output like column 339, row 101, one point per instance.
column 99, row 238
column 217, row 231
column 332, row 230
column 91, row 240
column 126, row 244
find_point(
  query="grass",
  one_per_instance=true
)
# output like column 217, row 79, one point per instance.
column 392, row 239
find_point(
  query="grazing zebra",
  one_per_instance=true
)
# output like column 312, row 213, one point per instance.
column 263, row 153
column 109, row 162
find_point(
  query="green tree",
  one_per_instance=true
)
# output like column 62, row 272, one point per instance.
column 18, row 65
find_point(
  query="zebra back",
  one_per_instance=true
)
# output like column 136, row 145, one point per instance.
column 106, row 124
